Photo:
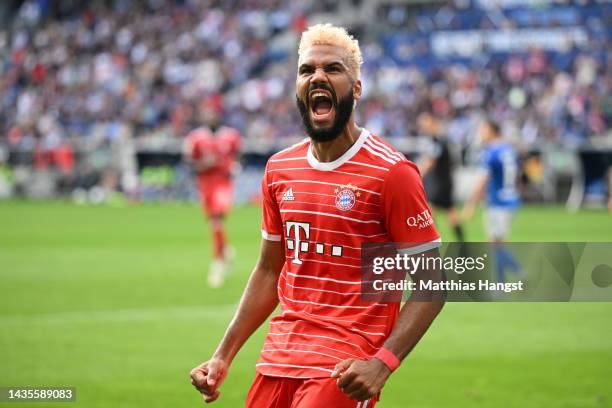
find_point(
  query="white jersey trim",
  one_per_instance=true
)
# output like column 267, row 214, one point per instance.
column 378, row 154
column 303, row 351
column 329, row 263
column 395, row 154
column 310, row 302
column 324, row 279
column 346, row 233
column 327, row 318
column 319, row 203
column 319, row 182
column 421, row 247
column 367, row 165
column 280, row 343
column 352, row 151
column 349, row 328
column 270, row 237
column 279, row 194
column 330, row 215
column 333, row 171
column 321, row 337
column 321, row 290
column 293, row 366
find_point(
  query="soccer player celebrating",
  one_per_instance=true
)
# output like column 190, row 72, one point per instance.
column 499, row 183
column 213, row 156
column 436, row 168
column 322, row 198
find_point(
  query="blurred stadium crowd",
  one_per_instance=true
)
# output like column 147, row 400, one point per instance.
column 136, row 75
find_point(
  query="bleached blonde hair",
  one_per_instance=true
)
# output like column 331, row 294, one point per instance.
column 327, row 34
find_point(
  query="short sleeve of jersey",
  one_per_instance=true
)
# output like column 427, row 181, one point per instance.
column 271, row 223
column 406, row 214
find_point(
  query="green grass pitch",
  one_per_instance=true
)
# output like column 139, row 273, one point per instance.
column 113, row 301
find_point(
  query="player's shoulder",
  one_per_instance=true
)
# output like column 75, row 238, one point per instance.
column 496, row 150
column 380, row 153
column 381, row 141
column 404, row 173
column 296, row 151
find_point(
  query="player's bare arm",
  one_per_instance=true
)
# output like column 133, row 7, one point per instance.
column 426, row 165
column 475, row 197
column 257, row 303
column 363, row 379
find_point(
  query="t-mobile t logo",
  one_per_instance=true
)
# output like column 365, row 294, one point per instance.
column 296, row 243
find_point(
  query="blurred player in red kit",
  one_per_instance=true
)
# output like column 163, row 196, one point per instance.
column 213, row 153
column 322, row 199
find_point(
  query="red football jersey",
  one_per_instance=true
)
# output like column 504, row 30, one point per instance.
column 322, row 213
column 219, row 152
column 228, row 145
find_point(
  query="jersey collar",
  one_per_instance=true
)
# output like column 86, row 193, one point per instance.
column 327, row 166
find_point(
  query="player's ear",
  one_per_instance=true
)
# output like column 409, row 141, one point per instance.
column 357, row 90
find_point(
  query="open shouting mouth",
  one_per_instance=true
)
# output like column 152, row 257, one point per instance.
column 321, row 106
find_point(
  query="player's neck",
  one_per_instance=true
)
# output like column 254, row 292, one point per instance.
column 329, row 151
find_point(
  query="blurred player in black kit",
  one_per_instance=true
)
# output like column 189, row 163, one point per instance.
column 436, row 166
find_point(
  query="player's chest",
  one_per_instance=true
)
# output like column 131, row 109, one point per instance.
column 322, row 206
column 328, row 197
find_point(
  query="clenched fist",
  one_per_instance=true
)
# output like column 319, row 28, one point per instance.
column 208, row 377
column 361, row 379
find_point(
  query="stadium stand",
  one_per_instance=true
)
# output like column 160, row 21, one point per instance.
column 94, row 94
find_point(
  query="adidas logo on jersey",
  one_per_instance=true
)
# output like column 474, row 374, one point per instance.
column 288, row 195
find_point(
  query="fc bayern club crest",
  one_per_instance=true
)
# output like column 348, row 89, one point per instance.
column 346, row 197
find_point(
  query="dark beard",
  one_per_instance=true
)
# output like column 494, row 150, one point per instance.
column 344, row 110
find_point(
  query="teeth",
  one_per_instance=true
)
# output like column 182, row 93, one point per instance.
column 317, row 94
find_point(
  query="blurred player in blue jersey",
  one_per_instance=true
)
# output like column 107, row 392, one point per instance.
column 499, row 183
